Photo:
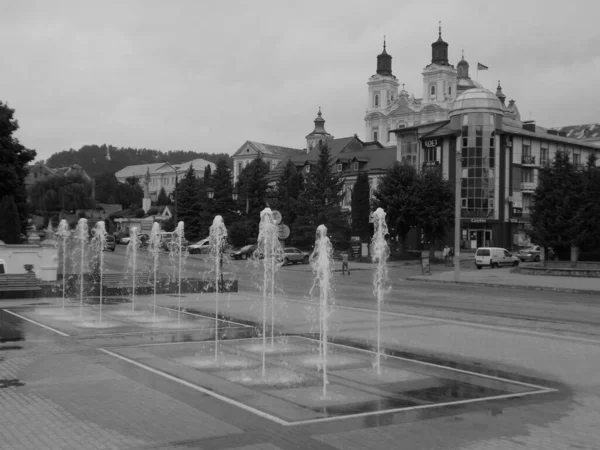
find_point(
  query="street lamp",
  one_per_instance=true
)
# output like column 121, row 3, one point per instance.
column 176, row 183
column 210, row 193
column 234, row 195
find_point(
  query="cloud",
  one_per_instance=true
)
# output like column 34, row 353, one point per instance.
column 208, row 76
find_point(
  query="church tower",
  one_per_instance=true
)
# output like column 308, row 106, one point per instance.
column 318, row 134
column 382, row 91
column 439, row 77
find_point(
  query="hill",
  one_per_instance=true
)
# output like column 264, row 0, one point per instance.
column 93, row 158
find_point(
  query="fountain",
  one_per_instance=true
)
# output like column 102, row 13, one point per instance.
column 63, row 234
column 98, row 244
column 81, row 236
column 381, row 281
column 321, row 262
column 176, row 255
column 270, row 250
column 217, row 239
column 154, row 244
column 132, row 248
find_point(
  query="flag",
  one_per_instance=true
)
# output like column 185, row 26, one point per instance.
column 481, row 66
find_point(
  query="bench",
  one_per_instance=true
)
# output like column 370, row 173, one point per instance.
column 118, row 280
column 19, row 285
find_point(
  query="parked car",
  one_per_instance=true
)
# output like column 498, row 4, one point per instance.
column 124, row 240
column 244, row 252
column 292, row 255
column 111, row 243
column 530, row 253
column 202, row 246
column 494, row 257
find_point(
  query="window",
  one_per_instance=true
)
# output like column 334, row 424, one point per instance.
column 355, row 165
column 527, row 175
column 376, row 100
column 239, row 167
column 339, row 167
column 307, row 169
column 526, row 150
column 375, row 135
column 450, row 91
column 432, row 90
column 544, row 156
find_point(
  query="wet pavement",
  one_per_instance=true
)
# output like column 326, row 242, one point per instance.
column 133, row 385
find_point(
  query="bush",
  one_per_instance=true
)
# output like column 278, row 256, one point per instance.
column 590, row 256
column 81, row 214
column 139, row 213
column 153, row 211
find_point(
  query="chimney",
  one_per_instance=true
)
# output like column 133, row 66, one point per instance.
column 553, row 132
column 529, row 125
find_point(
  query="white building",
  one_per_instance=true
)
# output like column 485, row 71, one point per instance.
column 271, row 154
column 162, row 175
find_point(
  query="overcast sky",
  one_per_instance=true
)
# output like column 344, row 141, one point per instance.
column 207, row 76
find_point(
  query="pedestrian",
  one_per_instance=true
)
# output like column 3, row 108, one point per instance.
column 451, row 256
column 345, row 263
column 445, row 254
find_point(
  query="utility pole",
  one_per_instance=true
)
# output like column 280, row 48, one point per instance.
column 457, row 207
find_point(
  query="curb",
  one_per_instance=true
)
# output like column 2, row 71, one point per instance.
column 511, row 286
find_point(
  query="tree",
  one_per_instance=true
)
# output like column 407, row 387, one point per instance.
column 129, row 194
column 163, row 198
column 14, row 158
column 187, row 197
column 10, row 223
column 252, row 187
column 556, row 203
column 321, row 203
column 396, row 195
column 106, row 187
column 286, row 192
column 361, row 208
column 61, row 193
column 207, row 175
column 435, row 214
column 588, row 216
column 222, row 204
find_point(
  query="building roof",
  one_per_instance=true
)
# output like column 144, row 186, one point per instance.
column 583, row 132
column 199, row 165
column 514, row 127
column 138, row 170
column 477, row 98
column 268, row 149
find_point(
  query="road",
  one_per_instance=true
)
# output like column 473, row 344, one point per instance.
column 535, row 309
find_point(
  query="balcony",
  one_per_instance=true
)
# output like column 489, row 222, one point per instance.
column 528, row 186
column 528, row 160
column 545, row 163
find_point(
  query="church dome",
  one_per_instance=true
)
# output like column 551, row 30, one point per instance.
column 476, row 99
column 462, row 62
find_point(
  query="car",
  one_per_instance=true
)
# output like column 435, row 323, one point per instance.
column 202, row 246
column 494, row 257
column 110, row 244
column 292, row 255
column 124, row 240
column 244, row 252
column 530, row 253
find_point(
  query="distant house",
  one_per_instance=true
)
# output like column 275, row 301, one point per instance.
column 271, row 154
column 40, row 171
column 162, row 175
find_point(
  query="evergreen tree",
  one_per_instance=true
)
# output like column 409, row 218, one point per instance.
column 321, row 203
column 10, row 224
column 287, row 190
column 163, row 198
column 252, row 187
column 207, row 175
column 129, row 194
column 222, row 204
column 186, row 203
column 396, row 195
column 588, row 216
column 61, row 192
column 106, row 187
column 14, row 158
column 435, row 214
column 556, row 202
column 361, row 207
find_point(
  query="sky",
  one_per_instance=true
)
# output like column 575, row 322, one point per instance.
column 207, row 76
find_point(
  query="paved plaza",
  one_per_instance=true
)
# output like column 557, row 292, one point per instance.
column 64, row 386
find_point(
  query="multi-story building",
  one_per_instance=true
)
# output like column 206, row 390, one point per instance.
column 162, row 175
column 271, row 154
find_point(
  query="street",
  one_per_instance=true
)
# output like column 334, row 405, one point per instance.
column 530, row 309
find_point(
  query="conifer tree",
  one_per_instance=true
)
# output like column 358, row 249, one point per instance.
column 10, row 224
column 163, row 198
column 253, row 187
column 321, row 203
column 186, row 199
column 287, row 190
column 361, row 207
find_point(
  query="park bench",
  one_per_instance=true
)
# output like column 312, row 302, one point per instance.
column 19, row 285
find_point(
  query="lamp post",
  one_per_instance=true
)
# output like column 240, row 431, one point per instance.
column 175, row 191
column 457, row 207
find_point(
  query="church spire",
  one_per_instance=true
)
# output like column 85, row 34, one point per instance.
column 384, row 62
column 439, row 50
column 500, row 94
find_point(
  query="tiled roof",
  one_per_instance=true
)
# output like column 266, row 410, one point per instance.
column 268, row 149
column 514, row 127
column 138, row 170
column 589, row 131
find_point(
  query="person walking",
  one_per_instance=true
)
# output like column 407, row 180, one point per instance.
column 345, row 263
column 446, row 254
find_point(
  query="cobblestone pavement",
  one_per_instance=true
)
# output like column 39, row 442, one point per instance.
column 61, row 393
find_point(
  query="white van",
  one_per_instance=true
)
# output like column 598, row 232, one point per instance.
column 494, row 257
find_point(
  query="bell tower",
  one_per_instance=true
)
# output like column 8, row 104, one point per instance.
column 382, row 91
column 439, row 77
